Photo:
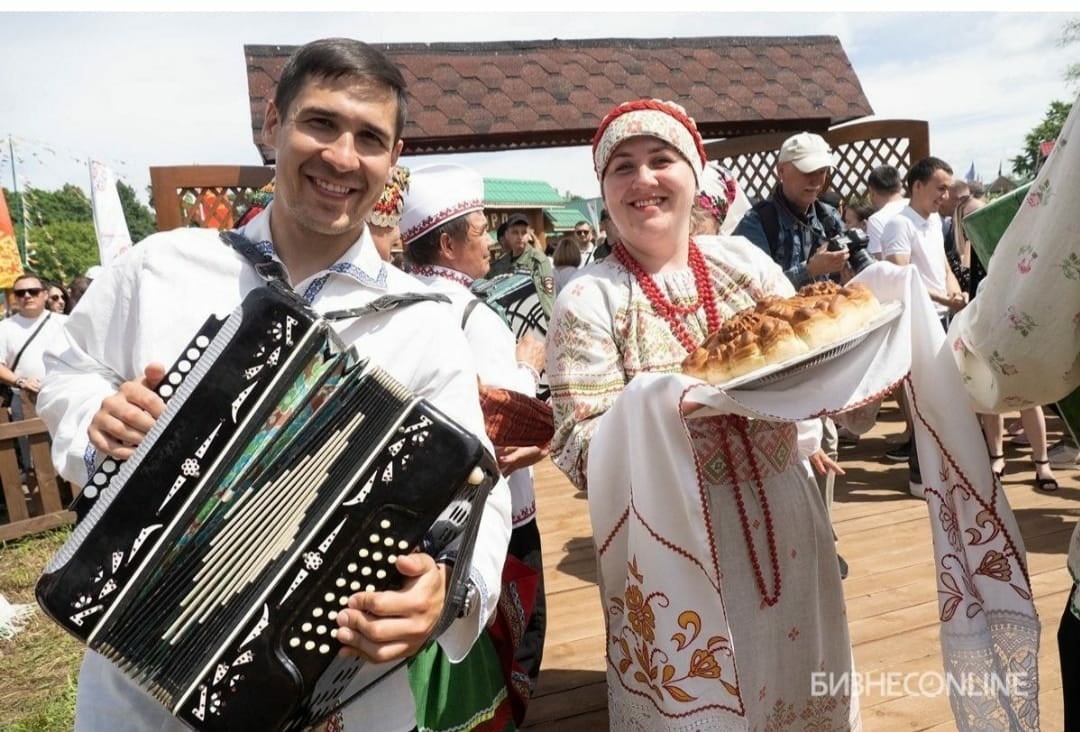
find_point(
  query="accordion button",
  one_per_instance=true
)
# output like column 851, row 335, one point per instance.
column 389, row 541
column 369, row 588
column 306, row 627
column 476, row 477
column 355, row 587
column 363, row 553
column 374, row 538
column 351, row 567
column 165, row 390
column 403, row 545
column 329, row 597
column 340, row 582
column 384, row 524
column 320, row 629
column 294, row 642
column 381, row 574
column 324, row 649
column 343, row 601
column 333, row 633
column 183, row 366
column 193, row 354
column 332, row 615
column 309, row 646
column 202, row 341
column 365, row 571
column 377, row 556
column 391, row 559
column 317, row 612
column 90, row 491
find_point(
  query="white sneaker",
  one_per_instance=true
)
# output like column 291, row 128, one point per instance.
column 1064, row 455
column 916, row 489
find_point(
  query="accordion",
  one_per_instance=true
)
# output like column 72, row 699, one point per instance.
column 285, row 474
column 513, row 296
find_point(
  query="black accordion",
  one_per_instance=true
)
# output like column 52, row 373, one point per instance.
column 285, row 474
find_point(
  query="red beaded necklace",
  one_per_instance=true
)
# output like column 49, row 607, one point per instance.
column 740, row 426
column 669, row 311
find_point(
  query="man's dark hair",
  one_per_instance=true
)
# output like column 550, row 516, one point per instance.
column 335, row 58
column 425, row 250
column 583, row 221
column 976, row 188
column 29, row 274
column 885, row 178
column 924, row 170
column 604, row 215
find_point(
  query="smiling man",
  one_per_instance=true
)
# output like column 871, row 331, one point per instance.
column 335, row 123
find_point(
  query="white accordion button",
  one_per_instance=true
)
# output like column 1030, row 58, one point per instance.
column 476, row 477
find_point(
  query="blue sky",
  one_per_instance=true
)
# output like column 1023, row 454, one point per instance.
column 142, row 89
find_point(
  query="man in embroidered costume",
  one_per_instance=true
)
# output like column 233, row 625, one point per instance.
column 446, row 247
column 335, row 123
column 385, row 215
column 1016, row 344
column 720, row 585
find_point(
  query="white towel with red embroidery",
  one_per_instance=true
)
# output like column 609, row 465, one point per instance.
column 989, row 627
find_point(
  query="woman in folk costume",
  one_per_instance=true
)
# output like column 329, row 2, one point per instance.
column 718, row 575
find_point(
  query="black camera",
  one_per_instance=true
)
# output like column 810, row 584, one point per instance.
column 855, row 242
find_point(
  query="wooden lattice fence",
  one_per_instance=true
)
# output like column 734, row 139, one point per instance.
column 209, row 196
column 861, row 147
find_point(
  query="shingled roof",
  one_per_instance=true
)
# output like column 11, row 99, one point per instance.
column 469, row 97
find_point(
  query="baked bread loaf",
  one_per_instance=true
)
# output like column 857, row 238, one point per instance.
column 778, row 329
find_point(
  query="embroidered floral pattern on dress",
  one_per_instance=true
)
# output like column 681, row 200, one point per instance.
column 1026, row 258
column 652, row 669
column 1020, row 322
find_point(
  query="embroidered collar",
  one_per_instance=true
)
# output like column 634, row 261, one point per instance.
column 439, row 272
column 361, row 262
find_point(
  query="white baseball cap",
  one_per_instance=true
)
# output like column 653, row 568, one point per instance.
column 809, row 152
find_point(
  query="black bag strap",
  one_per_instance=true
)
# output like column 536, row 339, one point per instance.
column 468, row 311
column 273, row 272
column 33, row 335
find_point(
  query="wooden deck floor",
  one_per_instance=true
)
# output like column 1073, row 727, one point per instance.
column 890, row 591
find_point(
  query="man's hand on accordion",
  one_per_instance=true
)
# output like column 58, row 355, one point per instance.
column 387, row 626
column 126, row 416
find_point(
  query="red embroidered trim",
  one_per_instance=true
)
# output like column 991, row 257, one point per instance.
column 656, row 105
column 427, row 224
column 428, row 270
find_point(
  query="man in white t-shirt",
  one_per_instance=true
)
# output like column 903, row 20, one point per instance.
column 16, row 332
column 914, row 236
column 887, row 198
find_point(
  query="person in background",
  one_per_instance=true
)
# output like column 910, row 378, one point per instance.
column 583, row 230
column 446, row 247
column 384, row 217
column 611, row 236
column 720, row 203
column 567, row 261
column 886, row 189
column 857, row 215
column 77, row 289
column 58, row 299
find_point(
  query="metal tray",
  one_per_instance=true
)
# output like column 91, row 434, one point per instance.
column 777, row 372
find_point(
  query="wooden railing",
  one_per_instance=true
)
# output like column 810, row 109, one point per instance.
column 210, row 196
column 39, row 502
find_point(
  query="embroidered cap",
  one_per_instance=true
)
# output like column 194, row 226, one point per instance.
column 437, row 194
column 387, row 210
column 809, row 152
column 665, row 121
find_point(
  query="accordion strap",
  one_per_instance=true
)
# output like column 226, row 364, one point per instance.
column 273, row 272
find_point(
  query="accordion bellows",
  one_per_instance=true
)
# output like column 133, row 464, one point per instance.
column 285, row 474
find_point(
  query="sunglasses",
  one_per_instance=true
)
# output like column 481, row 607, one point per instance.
column 581, row 232
column 56, row 298
column 31, row 291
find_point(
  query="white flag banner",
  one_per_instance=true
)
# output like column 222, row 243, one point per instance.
column 109, row 222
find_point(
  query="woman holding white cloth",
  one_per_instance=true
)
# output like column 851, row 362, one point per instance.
column 718, row 572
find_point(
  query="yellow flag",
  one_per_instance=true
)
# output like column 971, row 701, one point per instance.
column 10, row 264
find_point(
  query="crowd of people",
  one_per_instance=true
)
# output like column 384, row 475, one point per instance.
column 719, row 577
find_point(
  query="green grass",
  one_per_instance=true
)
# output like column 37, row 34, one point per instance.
column 39, row 666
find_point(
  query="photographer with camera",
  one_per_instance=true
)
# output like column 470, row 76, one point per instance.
column 792, row 225
column 794, row 228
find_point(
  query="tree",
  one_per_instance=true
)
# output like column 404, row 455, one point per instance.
column 49, row 207
column 63, row 250
column 140, row 220
column 1026, row 163
column 1071, row 35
